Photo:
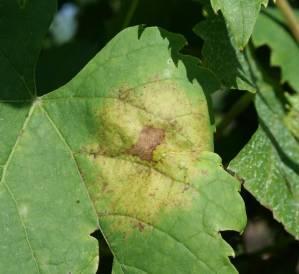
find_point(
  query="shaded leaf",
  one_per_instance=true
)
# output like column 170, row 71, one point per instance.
column 292, row 117
column 221, row 55
column 17, row 63
column 270, row 179
column 240, row 16
column 284, row 49
column 269, row 163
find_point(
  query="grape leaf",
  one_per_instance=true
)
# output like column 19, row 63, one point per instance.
column 269, row 163
column 46, row 217
column 124, row 147
column 292, row 117
column 222, row 56
column 17, row 62
column 240, row 16
column 284, row 49
column 270, row 179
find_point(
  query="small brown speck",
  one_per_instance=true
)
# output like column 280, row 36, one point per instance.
column 186, row 187
column 140, row 226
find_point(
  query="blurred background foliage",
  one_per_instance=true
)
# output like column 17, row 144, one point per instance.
column 81, row 28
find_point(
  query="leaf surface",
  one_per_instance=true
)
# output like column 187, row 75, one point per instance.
column 222, row 56
column 125, row 147
column 292, row 117
column 144, row 149
column 46, row 216
column 269, row 163
column 240, row 16
column 284, row 49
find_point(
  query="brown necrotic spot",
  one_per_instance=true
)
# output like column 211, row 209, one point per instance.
column 148, row 140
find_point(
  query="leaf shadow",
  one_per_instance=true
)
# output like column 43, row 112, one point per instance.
column 221, row 55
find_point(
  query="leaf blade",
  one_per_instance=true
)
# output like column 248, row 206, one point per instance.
column 284, row 49
column 156, row 205
column 240, row 17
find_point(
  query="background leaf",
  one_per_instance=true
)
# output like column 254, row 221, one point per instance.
column 269, row 163
column 221, row 55
column 292, row 117
column 240, row 16
column 284, row 49
column 17, row 62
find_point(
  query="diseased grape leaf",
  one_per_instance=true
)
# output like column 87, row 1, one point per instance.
column 269, row 163
column 142, row 140
column 125, row 147
column 240, row 16
column 284, row 49
column 222, row 56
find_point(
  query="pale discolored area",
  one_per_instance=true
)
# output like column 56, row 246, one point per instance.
column 139, row 208
column 136, row 189
column 161, row 105
column 149, row 139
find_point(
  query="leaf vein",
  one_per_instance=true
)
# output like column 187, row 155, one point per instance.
column 5, row 167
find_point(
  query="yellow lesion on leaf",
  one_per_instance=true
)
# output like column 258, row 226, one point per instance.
column 149, row 141
column 133, row 189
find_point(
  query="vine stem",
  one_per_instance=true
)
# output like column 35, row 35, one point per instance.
column 236, row 109
column 130, row 13
column 290, row 16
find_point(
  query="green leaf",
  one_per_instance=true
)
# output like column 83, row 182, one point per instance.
column 221, row 55
column 292, row 117
column 270, row 179
column 22, row 26
column 284, row 49
column 126, row 147
column 240, row 16
column 269, row 163
column 46, row 216
column 277, row 128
